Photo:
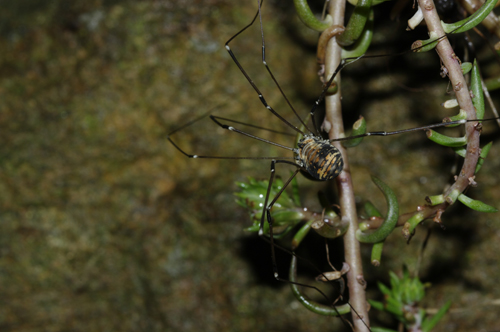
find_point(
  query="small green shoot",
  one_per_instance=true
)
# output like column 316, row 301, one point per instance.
column 402, row 300
column 286, row 211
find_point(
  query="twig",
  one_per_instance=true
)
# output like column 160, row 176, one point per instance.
column 357, row 296
column 458, row 82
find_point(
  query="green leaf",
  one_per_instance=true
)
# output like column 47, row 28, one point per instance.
column 492, row 83
column 475, row 204
column 446, row 140
column 477, row 90
column 363, row 43
column 472, row 21
column 482, row 156
column 421, row 46
column 376, row 304
column 377, row 253
column 301, row 234
column 466, row 67
column 395, row 284
column 394, row 306
column 371, row 210
column 435, row 200
column 462, row 115
column 384, row 289
column 356, row 24
column 428, row 324
column 390, row 221
column 307, row 17
column 412, row 223
column 358, row 128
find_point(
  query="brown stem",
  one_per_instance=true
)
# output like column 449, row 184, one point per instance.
column 452, row 64
column 357, row 296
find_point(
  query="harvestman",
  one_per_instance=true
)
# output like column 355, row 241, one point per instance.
column 313, row 154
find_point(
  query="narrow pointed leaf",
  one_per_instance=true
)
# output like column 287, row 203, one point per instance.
column 446, row 140
column 472, row 21
column 429, row 323
column 476, row 205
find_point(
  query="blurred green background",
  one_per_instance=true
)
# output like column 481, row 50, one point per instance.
column 106, row 227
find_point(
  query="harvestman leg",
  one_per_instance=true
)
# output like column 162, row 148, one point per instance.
column 230, row 128
column 254, row 86
column 267, row 210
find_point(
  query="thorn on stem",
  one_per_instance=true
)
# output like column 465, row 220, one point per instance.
column 437, row 217
column 472, row 182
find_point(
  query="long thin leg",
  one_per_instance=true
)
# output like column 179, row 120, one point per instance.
column 254, row 126
column 194, row 156
column 388, row 133
column 254, row 86
column 267, row 211
column 214, row 118
column 342, row 64
column 230, row 128
column 184, row 125
column 274, row 79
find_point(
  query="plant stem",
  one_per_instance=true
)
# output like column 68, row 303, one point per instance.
column 355, row 280
column 452, row 64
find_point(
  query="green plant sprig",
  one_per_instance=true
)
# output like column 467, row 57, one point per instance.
column 402, row 301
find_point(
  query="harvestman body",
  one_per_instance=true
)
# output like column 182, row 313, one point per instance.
column 319, row 158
